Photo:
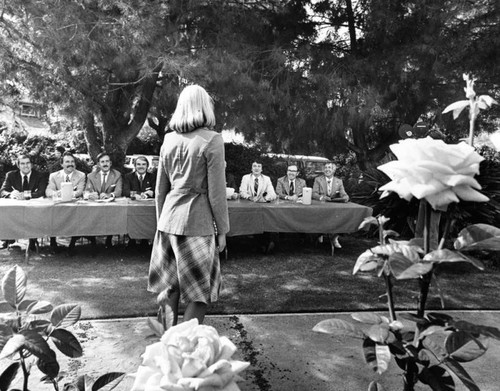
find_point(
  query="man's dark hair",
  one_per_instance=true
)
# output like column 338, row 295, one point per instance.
column 67, row 153
column 101, row 155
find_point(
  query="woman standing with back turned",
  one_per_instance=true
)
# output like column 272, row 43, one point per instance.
column 191, row 207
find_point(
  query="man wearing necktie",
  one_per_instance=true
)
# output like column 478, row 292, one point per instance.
column 257, row 187
column 22, row 179
column 25, row 178
column 70, row 174
column 141, row 181
column 105, row 183
column 289, row 187
column 330, row 189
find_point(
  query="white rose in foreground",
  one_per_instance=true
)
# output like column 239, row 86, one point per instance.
column 189, row 357
column 431, row 169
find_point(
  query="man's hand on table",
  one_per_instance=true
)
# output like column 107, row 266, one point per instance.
column 16, row 195
column 293, row 198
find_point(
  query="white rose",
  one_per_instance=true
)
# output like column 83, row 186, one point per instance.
column 189, row 357
column 431, row 169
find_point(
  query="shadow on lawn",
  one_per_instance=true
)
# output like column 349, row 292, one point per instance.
column 299, row 277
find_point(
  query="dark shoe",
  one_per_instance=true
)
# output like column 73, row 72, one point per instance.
column 6, row 243
column 33, row 244
column 53, row 242
column 270, row 248
column 109, row 242
column 71, row 247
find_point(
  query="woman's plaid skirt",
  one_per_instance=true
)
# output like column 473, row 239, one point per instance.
column 187, row 263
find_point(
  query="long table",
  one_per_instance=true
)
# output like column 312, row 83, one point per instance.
column 44, row 217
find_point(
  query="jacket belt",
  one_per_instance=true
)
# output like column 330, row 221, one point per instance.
column 187, row 190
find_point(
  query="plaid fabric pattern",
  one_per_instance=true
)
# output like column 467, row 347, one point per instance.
column 189, row 263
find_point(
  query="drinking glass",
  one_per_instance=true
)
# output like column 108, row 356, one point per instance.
column 27, row 194
column 132, row 194
column 86, row 195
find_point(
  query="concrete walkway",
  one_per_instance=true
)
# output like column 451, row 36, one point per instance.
column 284, row 352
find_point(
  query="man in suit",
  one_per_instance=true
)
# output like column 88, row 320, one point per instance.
column 289, row 187
column 256, row 186
column 70, row 174
column 105, row 183
column 24, row 179
column 141, row 181
column 329, row 188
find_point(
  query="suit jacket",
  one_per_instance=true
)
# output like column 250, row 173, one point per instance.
column 191, row 184
column 114, row 182
column 56, row 178
column 14, row 181
column 283, row 187
column 265, row 187
column 320, row 188
column 131, row 183
column 230, row 181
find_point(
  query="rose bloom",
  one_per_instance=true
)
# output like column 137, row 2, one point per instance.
column 431, row 169
column 189, row 357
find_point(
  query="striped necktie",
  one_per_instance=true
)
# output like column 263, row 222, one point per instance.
column 103, row 185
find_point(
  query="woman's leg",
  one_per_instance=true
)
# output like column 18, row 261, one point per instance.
column 169, row 298
column 195, row 309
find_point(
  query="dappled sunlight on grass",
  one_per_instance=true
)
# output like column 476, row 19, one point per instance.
column 295, row 278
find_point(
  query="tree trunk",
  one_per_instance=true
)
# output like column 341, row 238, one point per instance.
column 91, row 136
column 122, row 115
column 352, row 27
column 160, row 126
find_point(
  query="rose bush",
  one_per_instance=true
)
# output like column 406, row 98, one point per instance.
column 431, row 169
column 189, row 357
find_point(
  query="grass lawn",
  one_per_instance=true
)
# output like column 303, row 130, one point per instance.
column 298, row 277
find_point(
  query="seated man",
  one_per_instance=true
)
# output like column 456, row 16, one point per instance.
column 143, row 183
column 256, row 186
column 289, row 187
column 67, row 174
column 329, row 188
column 105, row 183
column 19, row 181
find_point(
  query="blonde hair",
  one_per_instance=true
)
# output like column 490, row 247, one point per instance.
column 194, row 110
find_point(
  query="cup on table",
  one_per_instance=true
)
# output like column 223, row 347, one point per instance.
column 86, row 195
column 27, row 194
column 133, row 194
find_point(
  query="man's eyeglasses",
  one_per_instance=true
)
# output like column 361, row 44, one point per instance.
column 292, row 170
